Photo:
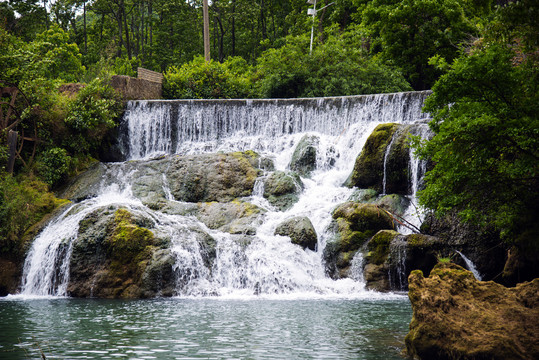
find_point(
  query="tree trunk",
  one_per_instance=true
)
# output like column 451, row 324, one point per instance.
column 206, row 17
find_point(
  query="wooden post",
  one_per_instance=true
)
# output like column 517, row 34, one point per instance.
column 206, row 31
column 12, row 149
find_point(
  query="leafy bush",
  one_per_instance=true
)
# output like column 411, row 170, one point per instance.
column 22, row 204
column 54, row 165
column 199, row 79
column 93, row 113
column 486, row 142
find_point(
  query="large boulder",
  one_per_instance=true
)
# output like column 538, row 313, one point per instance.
column 354, row 224
column 213, row 177
column 457, row 317
column 303, row 159
column 119, row 254
column 386, row 152
column 391, row 257
column 282, row 189
column 369, row 166
column 236, row 217
column 300, row 230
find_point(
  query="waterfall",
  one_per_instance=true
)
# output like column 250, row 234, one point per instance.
column 192, row 126
column 261, row 264
column 416, row 169
column 470, row 265
column 397, row 255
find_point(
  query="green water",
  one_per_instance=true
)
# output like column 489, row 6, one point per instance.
column 203, row 329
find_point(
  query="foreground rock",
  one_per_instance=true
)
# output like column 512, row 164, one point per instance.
column 458, row 317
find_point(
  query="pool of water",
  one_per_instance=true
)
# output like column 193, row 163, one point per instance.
column 63, row 328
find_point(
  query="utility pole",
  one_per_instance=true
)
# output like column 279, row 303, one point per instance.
column 206, row 31
column 312, row 12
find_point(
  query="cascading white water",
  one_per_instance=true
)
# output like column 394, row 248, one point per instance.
column 194, row 126
column 417, row 168
column 267, row 264
column 470, row 265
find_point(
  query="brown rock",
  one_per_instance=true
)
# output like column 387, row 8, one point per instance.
column 458, row 317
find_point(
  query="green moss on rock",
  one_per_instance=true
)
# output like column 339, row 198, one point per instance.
column 369, row 166
column 378, row 246
column 457, row 317
column 127, row 240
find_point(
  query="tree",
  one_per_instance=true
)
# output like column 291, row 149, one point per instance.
column 486, row 143
column 409, row 32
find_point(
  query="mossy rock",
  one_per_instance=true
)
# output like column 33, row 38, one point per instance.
column 303, row 159
column 394, row 203
column 127, row 240
column 235, row 217
column 300, row 230
column 357, row 223
column 363, row 196
column 282, row 189
column 354, row 224
column 213, row 177
column 369, row 166
column 378, row 246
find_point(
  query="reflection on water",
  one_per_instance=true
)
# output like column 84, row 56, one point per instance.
column 203, row 329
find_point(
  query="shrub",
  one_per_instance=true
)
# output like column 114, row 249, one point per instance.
column 93, row 113
column 199, row 79
column 54, row 166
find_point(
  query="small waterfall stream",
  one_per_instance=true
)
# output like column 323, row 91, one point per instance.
column 470, row 265
column 267, row 264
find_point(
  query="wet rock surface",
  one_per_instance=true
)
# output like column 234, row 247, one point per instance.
column 282, row 189
column 303, row 159
column 300, row 230
column 457, row 317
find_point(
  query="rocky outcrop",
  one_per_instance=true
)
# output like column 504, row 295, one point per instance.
column 300, row 230
column 481, row 245
column 282, row 189
column 354, row 224
column 236, row 217
column 212, row 177
column 391, row 257
column 116, row 255
column 386, row 151
column 303, row 160
column 458, row 317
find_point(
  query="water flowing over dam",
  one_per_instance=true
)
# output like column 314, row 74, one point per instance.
column 206, row 253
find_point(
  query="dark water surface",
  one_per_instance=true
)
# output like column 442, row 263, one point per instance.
column 203, row 329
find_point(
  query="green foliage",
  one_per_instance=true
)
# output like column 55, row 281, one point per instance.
column 199, row 79
column 54, row 165
column 336, row 67
column 410, row 32
column 486, row 121
column 93, row 113
column 22, row 204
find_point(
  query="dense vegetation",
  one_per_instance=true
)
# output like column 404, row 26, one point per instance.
column 480, row 57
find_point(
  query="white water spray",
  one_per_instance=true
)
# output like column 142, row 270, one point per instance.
column 470, row 265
